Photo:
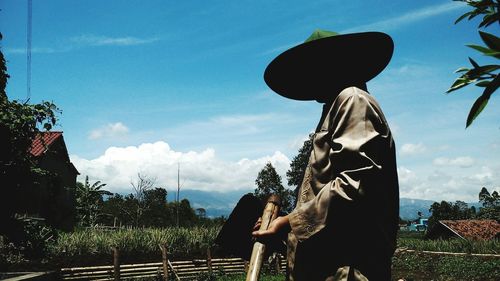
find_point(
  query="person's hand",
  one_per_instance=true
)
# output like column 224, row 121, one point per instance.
column 257, row 224
column 277, row 226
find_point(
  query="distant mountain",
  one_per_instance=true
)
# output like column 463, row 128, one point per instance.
column 215, row 203
column 409, row 208
column 219, row 204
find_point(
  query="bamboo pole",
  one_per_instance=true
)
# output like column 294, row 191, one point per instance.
column 269, row 214
column 209, row 261
column 278, row 264
column 116, row 263
column 164, row 261
column 173, row 270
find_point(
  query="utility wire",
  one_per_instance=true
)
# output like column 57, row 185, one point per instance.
column 28, row 52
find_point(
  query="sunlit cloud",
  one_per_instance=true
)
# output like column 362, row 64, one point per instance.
column 199, row 170
column 109, row 131
column 412, row 149
column 462, row 162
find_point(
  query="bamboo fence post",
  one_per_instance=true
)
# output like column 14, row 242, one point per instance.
column 164, row 261
column 209, row 260
column 116, row 263
column 278, row 264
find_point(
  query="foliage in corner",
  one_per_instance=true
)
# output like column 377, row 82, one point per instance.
column 20, row 123
column 485, row 76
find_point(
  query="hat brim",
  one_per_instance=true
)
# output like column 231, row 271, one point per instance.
column 310, row 71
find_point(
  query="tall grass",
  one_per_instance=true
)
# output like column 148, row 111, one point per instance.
column 90, row 246
column 141, row 242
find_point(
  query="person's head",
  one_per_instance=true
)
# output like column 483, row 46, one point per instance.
column 328, row 62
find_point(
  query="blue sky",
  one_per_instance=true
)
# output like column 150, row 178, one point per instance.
column 145, row 85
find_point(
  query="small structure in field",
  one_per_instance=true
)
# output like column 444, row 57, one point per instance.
column 418, row 225
column 465, row 229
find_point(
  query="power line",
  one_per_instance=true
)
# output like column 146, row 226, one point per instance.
column 28, row 51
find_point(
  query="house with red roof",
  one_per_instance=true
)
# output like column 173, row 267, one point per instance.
column 52, row 197
column 465, row 229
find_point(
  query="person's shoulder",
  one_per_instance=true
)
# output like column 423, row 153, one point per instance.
column 354, row 94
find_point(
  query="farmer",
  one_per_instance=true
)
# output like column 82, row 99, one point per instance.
column 345, row 222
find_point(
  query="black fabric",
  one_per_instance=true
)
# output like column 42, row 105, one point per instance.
column 235, row 237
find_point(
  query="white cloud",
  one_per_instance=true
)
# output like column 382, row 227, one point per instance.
column 408, row 18
column 439, row 184
column 22, row 51
column 462, row 162
column 99, row 40
column 82, row 41
column 412, row 149
column 202, row 170
column 484, row 177
column 109, row 131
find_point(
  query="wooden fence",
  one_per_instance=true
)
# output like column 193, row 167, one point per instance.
column 166, row 270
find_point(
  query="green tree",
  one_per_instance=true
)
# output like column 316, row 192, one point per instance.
column 89, row 198
column 20, row 123
column 3, row 75
column 298, row 166
column 485, row 76
column 156, row 211
column 491, row 205
column 114, row 212
column 269, row 182
column 450, row 211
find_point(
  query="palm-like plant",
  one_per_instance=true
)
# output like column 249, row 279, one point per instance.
column 88, row 198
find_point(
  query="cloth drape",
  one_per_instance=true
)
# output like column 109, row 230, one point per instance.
column 347, row 210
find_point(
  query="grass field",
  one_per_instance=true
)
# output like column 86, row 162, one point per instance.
column 94, row 247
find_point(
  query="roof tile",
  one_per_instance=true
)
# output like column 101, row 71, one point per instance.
column 474, row 229
column 42, row 141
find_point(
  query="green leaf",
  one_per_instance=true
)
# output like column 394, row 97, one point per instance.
column 482, row 101
column 489, row 19
column 473, row 62
column 492, row 86
column 462, row 17
column 483, row 83
column 477, row 107
column 462, row 69
column 481, row 70
column 490, row 40
column 485, row 51
column 459, row 83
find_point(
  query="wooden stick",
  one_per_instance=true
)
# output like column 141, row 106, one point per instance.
column 173, row 270
column 209, row 261
column 164, row 261
column 116, row 263
column 269, row 214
